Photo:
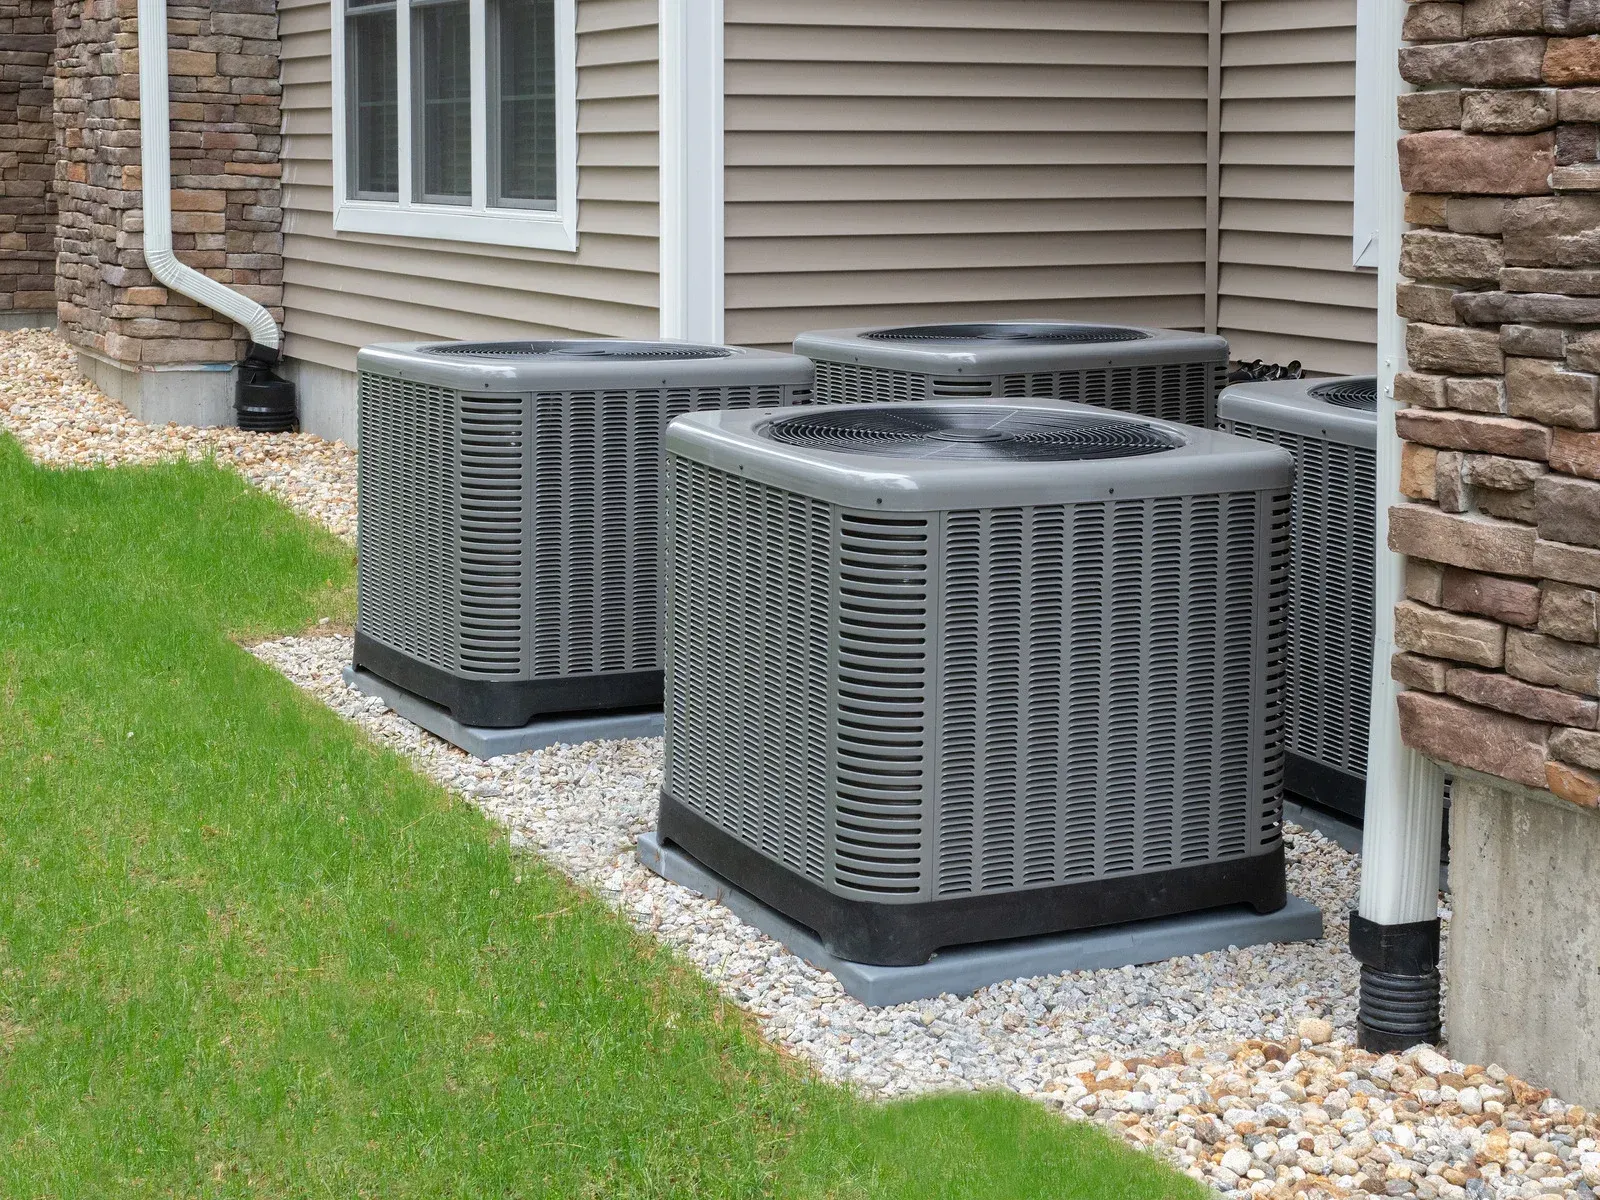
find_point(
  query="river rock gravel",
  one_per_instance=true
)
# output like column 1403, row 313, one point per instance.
column 62, row 420
column 1236, row 1066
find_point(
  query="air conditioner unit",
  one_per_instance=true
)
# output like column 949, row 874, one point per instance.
column 510, row 505
column 1330, row 426
column 1159, row 373
column 946, row 673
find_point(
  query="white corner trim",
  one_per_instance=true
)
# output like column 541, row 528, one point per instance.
column 691, row 170
column 476, row 222
column 1373, row 125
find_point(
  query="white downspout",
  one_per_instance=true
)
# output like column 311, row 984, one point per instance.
column 1395, row 934
column 155, row 159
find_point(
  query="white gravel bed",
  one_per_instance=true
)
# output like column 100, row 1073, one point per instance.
column 1236, row 1066
column 62, row 420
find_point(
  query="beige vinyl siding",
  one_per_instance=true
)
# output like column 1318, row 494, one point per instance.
column 344, row 291
column 1287, row 289
column 888, row 160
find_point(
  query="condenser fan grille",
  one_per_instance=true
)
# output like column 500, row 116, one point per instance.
column 1349, row 393
column 1009, row 331
column 580, row 349
column 992, row 434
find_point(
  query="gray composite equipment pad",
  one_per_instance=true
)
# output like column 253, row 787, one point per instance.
column 482, row 742
column 965, row 969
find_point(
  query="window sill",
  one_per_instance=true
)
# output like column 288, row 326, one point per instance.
column 533, row 229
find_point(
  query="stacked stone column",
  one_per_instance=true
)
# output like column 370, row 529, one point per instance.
column 27, row 207
column 227, row 219
column 1500, row 628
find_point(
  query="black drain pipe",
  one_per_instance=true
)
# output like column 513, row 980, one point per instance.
column 263, row 402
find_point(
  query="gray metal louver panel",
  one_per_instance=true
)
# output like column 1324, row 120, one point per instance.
column 492, row 530
column 1185, row 393
column 884, row 578
column 849, row 383
column 596, row 512
column 1101, row 704
column 406, row 477
column 749, row 623
column 1331, row 582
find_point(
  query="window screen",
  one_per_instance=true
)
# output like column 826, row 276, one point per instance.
column 441, row 101
column 522, row 103
column 374, row 102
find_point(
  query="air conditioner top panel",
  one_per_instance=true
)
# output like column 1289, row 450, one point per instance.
column 1188, row 461
column 986, row 348
column 1292, row 406
column 581, row 364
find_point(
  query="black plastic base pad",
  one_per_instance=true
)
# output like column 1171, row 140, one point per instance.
column 508, row 704
column 1321, row 784
column 900, row 935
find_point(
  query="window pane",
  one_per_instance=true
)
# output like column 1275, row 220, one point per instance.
column 374, row 127
column 441, row 54
column 523, row 103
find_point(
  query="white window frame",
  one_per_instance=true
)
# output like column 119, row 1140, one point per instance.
column 540, row 229
column 1375, row 121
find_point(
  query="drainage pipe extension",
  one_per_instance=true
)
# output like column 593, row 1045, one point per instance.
column 1394, row 933
column 155, row 160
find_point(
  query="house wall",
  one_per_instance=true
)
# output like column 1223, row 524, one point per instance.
column 346, row 292
column 163, row 355
column 888, row 161
column 980, row 160
column 1499, row 632
column 1524, row 962
column 27, row 154
column 1286, row 283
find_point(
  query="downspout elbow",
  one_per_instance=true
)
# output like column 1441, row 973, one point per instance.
column 156, row 184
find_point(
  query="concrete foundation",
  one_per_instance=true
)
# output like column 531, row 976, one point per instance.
column 327, row 398
column 1524, row 953
column 482, row 742
column 962, row 970
column 31, row 318
column 199, row 394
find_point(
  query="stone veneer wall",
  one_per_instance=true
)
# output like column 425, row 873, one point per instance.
column 227, row 219
column 27, row 154
column 1500, row 629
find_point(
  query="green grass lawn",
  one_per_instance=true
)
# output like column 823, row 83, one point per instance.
column 243, row 952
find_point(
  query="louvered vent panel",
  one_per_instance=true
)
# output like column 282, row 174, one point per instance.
column 1275, row 641
column 407, row 475
column 1101, row 690
column 1181, row 392
column 749, row 620
column 492, row 533
column 596, row 510
column 880, row 747
column 851, row 383
column 1331, row 582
